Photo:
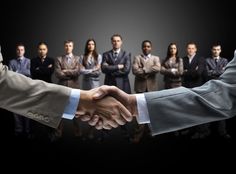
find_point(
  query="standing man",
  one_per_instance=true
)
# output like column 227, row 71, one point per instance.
column 145, row 67
column 42, row 68
column 215, row 66
column 67, row 70
column 21, row 65
column 193, row 76
column 116, row 65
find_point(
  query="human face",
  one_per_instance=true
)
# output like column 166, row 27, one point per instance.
column 42, row 50
column 91, row 46
column 216, row 51
column 147, row 48
column 191, row 49
column 173, row 50
column 20, row 51
column 69, row 47
column 116, row 42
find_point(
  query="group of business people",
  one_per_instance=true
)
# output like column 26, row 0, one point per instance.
column 32, row 98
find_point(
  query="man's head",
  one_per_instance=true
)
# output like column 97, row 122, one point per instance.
column 147, row 47
column 116, row 41
column 20, row 50
column 42, row 49
column 68, row 46
column 215, row 50
column 191, row 48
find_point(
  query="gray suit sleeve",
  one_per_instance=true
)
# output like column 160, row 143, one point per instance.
column 180, row 108
column 34, row 99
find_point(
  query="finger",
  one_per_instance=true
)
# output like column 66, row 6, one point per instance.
column 99, row 125
column 85, row 117
column 125, row 113
column 110, row 122
column 107, row 127
column 120, row 120
column 94, row 120
column 100, row 93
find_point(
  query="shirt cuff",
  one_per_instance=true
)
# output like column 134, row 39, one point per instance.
column 72, row 104
column 143, row 115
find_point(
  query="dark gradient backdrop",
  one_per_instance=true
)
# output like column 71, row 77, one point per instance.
column 161, row 21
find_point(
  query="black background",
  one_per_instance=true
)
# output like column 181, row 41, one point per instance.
column 162, row 22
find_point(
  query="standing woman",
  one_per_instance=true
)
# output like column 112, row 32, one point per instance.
column 90, row 67
column 172, row 67
column 90, row 64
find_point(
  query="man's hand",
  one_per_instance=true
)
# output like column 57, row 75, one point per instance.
column 100, row 94
column 101, row 110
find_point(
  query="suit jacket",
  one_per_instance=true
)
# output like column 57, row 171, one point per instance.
column 215, row 70
column 180, row 108
column 40, row 70
column 23, row 69
column 193, row 72
column 71, row 77
column 34, row 99
column 114, row 76
column 145, row 73
column 169, row 76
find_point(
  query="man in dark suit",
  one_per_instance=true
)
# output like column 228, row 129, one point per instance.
column 194, row 67
column 215, row 66
column 116, row 65
column 42, row 68
column 193, row 76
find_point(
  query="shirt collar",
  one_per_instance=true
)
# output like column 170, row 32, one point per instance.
column 117, row 51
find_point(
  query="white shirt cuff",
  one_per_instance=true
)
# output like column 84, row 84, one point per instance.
column 72, row 104
column 143, row 115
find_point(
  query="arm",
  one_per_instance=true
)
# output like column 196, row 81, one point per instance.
column 34, row 99
column 205, row 101
column 127, row 66
column 106, row 67
column 155, row 68
column 137, row 68
column 58, row 71
column 47, row 70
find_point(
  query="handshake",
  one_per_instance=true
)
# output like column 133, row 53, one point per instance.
column 106, row 107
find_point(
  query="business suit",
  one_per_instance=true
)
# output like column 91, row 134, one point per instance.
column 71, row 77
column 34, row 99
column 214, row 70
column 21, row 66
column 167, row 114
column 145, row 70
column 114, row 76
column 193, row 75
column 172, row 79
column 41, row 70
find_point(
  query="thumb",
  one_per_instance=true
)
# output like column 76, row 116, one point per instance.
column 99, row 94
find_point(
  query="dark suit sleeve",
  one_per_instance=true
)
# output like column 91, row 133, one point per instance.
column 106, row 67
column 127, row 66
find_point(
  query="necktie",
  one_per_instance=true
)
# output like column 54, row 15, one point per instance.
column 19, row 64
column 68, row 59
column 216, row 61
column 115, row 56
